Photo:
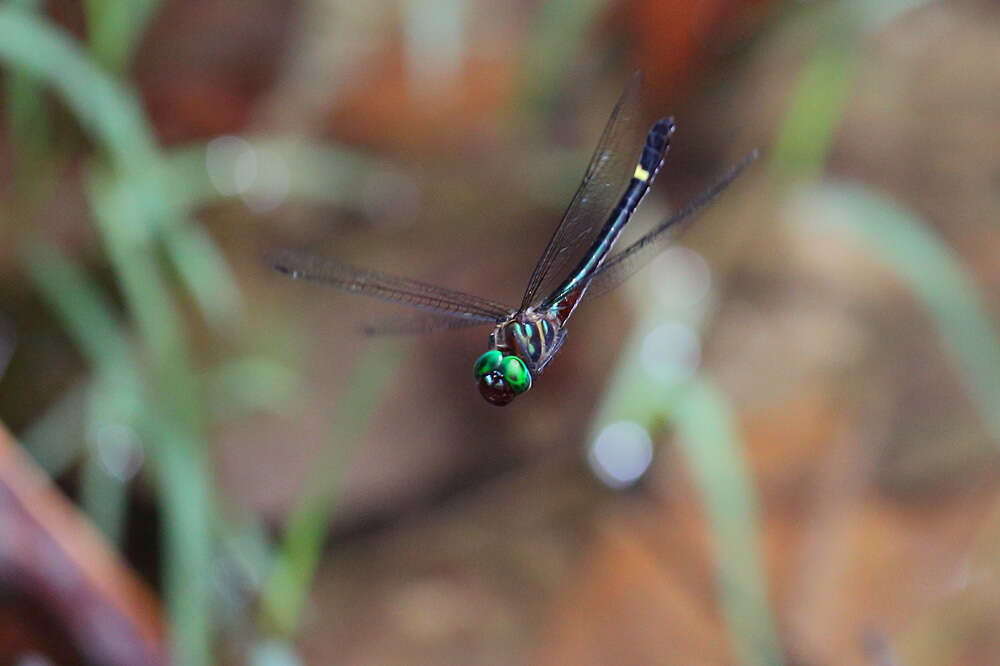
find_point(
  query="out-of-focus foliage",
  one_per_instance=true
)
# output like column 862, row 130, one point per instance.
column 934, row 274
column 178, row 346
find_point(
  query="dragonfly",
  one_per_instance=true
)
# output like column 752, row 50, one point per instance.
column 577, row 264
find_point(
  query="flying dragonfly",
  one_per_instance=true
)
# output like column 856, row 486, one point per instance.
column 576, row 265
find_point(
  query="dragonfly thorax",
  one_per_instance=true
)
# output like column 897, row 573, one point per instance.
column 532, row 336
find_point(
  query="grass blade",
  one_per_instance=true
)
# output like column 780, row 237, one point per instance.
column 935, row 275
column 712, row 448
column 108, row 111
column 705, row 425
column 54, row 439
column 825, row 83
column 86, row 313
column 104, row 498
column 114, row 29
column 557, row 37
column 302, row 540
column 708, row 438
column 112, row 115
column 175, row 428
column 28, row 119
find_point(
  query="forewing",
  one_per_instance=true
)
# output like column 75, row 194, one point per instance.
column 607, row 175
column 424, row 323
column 432, row 298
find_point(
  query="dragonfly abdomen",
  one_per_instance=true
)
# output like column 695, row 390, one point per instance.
column 657, row 142
column 564, row 299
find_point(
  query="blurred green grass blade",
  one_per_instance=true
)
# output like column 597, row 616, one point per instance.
column 196, row 259
column 181, row 463
column 712, row 448
column 332, row 174
column 817, row 105
column 144, row 287
column 632, row 393
column 315, row 173
column 711, row 445
column 557, row 37
column 88, row 320
column 176, row 425
column 246, row 544
column 250, row 384
column 205, row 273
column 874, row 15
column 184, row 174
column 28, row 122
column 111, row 113
column 107, row 110
column 936, row 276
column 815, row 111
column 88, row 316
column 55, row 439
column 820, row 97
column 128, row 211
column 287, row 588
column 271, row 652
column 183, row 482
column 320, row 173
column 115, row 448
column 114, row 29
column 104, row 498
column 86, row 313
column 28, row 119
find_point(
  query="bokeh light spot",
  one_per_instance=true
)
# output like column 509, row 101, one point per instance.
column 118, row 450
column 681, row 277
column 621, row 454
column 671, row 353
column 270, row 189
column 231, row 163
column 272, row 652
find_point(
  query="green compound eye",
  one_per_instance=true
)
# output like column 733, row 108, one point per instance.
column 487, row 363
column 515, row 372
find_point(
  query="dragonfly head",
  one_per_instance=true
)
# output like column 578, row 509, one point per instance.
column 501, row 378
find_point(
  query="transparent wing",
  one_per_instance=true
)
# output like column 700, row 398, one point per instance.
column 421, row 324
column 618, row 267
column 303, row 266
column 607, row 175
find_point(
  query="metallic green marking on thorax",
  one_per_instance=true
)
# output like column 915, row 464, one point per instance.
column 524, row 335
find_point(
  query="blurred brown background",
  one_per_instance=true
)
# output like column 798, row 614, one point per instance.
column 824, row 484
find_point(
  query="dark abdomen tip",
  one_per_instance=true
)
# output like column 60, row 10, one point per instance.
column 659, row 135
